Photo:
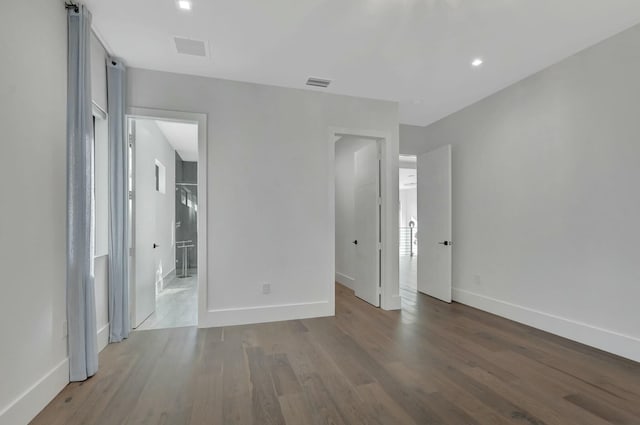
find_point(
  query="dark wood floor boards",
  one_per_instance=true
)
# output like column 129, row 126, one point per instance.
column 494, row 345
column 441, row 351
column 556, row 353
column 478, row 369
column 432, row 363
column 561, row 386
column 86, row 402
column 296, row 409
column 284, row 378
column 414, row 399
column 237, row 406
column 207, row 377
column 330, row 393
column 381, row 406
column 266, row 406
column 316, row 397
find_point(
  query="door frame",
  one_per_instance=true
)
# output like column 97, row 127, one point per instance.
column 201, row 121
column 390, row 298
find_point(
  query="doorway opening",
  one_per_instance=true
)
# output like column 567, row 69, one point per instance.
column 358, row 212
column 408, row 224
column 164, row 209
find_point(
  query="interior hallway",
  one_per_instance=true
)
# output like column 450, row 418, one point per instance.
column 431, row 363
column 408, row 272
column 176, row 305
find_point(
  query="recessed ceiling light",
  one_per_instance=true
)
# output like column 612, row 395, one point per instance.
column 184, row 4
column 477, row 62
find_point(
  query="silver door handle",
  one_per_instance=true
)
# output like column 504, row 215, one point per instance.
column 445, row 243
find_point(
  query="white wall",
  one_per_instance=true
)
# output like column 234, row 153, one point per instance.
column 345, row 231
column 411, row 140
column 545, row 195
column 269, row 175
column 33, row 84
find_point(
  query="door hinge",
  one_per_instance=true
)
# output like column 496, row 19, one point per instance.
column 379, row 246
column 130, row 252
column 130, row 194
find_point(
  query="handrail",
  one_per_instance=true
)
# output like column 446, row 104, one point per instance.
column 407, row 239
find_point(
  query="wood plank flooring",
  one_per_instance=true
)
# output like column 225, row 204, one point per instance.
column 432, row 363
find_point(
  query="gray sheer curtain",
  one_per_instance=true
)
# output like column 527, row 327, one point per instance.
column 81, row 303
column 118, row 205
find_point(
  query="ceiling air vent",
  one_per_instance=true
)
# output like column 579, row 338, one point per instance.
column 187, row 46
column 318, row 82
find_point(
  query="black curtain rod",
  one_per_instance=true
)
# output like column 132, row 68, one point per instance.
column 75, row 7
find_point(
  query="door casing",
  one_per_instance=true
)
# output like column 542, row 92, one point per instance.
column 390, row 298
column 201, row 121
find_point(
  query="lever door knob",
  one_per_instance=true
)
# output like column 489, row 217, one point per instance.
column 445, row 243
column 355, row 242
column 155, row 245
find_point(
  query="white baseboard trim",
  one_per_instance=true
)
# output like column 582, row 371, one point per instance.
column 607, row 340
column 345, row 280
column 263, row 314
column 24, row 408
column 103, row 337
column 36, row 397
column 160, row 282
column 169, row 273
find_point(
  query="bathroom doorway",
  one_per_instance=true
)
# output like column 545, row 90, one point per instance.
column 164, row 205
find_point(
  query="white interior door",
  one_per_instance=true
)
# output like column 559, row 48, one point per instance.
column 434, row 216
column 145, row 245
column 367, row 227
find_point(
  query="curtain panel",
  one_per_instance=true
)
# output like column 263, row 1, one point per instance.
column 118, row 204
column 81, row 304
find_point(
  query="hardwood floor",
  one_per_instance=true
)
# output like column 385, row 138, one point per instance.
column 432, row 363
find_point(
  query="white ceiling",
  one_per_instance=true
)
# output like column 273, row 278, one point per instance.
column 183, row 137
column 416, row 52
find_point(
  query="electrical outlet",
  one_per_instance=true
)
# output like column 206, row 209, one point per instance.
column 266, row 288
column 65, row 331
